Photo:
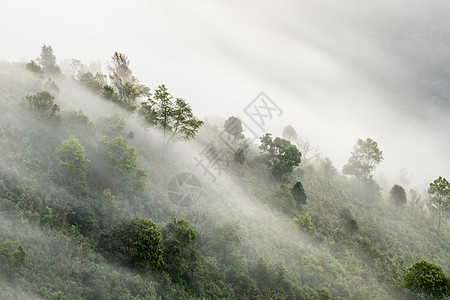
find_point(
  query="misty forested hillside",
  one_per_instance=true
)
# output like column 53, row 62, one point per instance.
column 110, row 189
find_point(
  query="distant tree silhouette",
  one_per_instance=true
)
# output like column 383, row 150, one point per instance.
column 398, row 195
column 48, row 60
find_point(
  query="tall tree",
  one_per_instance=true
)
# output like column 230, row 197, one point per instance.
column 439, row 191
column 363, row 160
column 419, row 204
column 279, row 155
column 71, row 157
column 398, row 195
column 233, row 126
column 48, row 60
column 298, row 192
column 174, row 117
column 284, row 200
column 226, row 238
column 178, row 252
column 121, row 166
column 126, row 85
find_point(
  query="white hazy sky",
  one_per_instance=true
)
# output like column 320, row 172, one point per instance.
column 324, row 63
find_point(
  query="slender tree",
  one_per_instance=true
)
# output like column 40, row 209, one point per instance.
column 175, row 118
column 439, row 191
column 71, row 157
column 126, row 86
column 48, row 60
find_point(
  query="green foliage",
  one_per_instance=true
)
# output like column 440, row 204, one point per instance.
column 110, row 94
column 360, row 253
column 78, row 124
column 304, row 221
column 121, row 165
column 125, row 84
column 298, row 192
column 51, row 87
column 82, row 216
column 348, row 222
column 279, row 155
column 34, row 67
column 175, row 118
column 177, row 245
column 48, row 60
column 365, row 157
column 426, row 278
column 112, row 126
column 439, row 191
column 94, row 83
column 137, row 243
column 11, row 261
column 109, row 209
column 398, row 195
column 284, row 200
column 42, row 106
column 71, row 156
column 240, row 155
column 226, row 238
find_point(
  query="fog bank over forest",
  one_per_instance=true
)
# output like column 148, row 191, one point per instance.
column 225, row 150
column 381, row 65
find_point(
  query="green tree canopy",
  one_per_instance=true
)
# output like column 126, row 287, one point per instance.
column 279, row 155
column 121, row 165
column 426, row 278
column 77, row 123
column 11, row 261
column 94, row 82
column 137, row 243
column 398, row 195
column 364, row 158
column 439, row 191
column 48, row 60
column 298, row 192
column 174, row 117
column 284, row 200
column 226, row 238
column 42, row 106
column 112, row 126
column 34, row 67
column 71, row 156
column 178, row 253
